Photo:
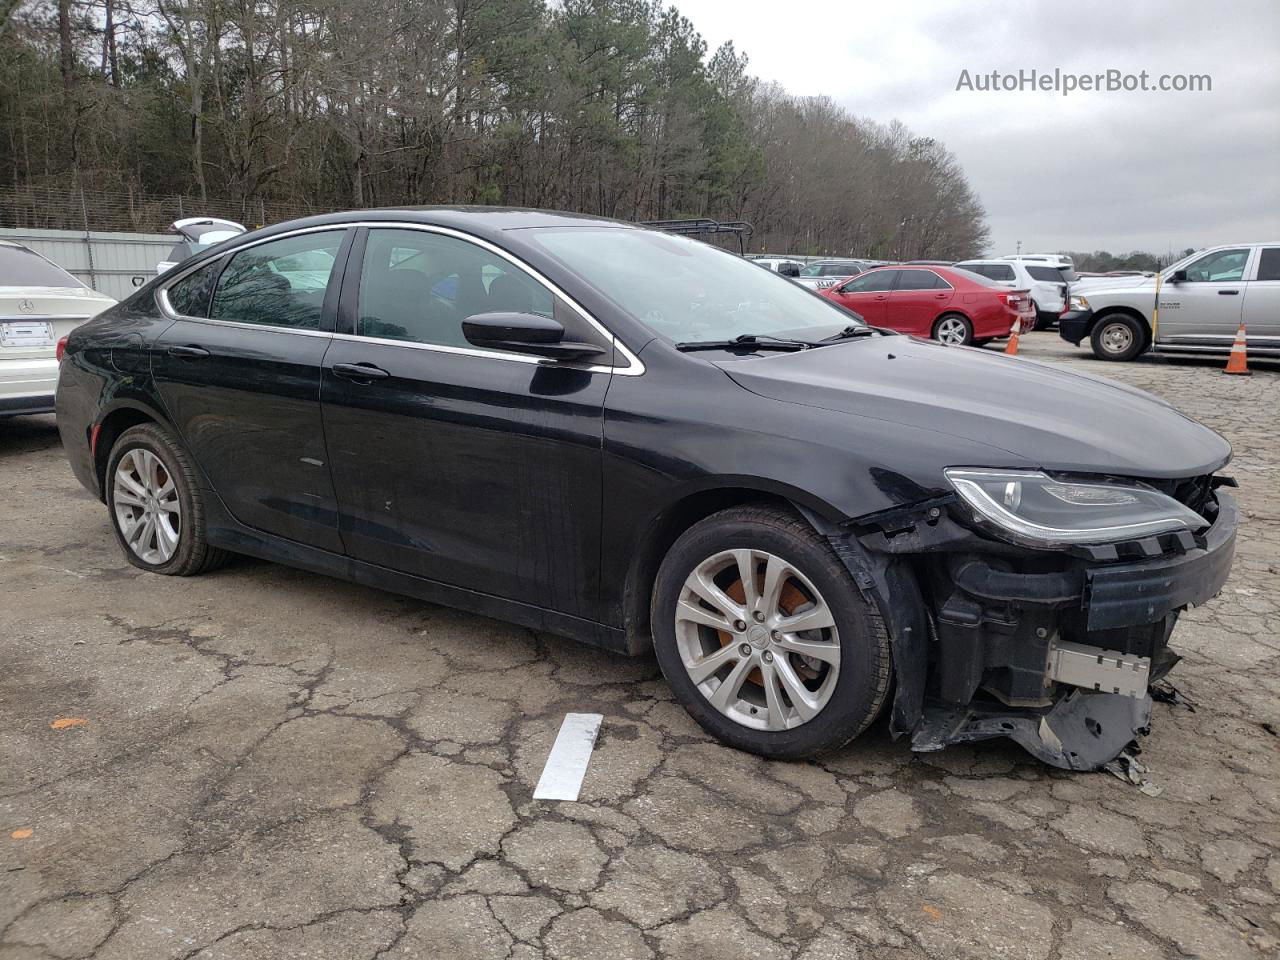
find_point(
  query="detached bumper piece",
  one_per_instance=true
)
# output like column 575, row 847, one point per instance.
column 1054, row 650
column 1074, row 325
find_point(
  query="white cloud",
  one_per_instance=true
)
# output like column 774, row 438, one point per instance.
column 1093, row 170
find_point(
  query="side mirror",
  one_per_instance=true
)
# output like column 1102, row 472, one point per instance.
column 1178, row 276
column 525, row 333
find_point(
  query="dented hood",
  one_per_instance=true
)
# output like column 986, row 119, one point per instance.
column 1048, row 415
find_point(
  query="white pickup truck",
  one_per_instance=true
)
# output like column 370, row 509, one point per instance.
column 1202, row 300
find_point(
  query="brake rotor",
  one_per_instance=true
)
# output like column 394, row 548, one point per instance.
column 789, row 600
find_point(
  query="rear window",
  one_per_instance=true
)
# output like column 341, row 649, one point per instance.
column 978, row 278
column 20, row 267
column 1050, row 274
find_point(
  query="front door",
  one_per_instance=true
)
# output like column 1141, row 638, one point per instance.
column 1206, row 307
column 239, row 375
column 867, row 295
column 476, row 468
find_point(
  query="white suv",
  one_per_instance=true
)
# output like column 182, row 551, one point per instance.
column 1047, row 282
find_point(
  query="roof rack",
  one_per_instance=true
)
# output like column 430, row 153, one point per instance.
column 703, row 227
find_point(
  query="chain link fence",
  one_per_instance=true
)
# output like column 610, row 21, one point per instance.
column 53, row 208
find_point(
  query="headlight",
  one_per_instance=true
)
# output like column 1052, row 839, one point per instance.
column 1078, row 302
column 1036, row 509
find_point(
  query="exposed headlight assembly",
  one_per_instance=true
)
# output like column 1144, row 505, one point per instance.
column 1077, row 302
column 1034, row 508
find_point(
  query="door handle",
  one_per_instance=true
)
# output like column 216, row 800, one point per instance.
column 188, row 352
column 1227, row 293
column 883, row 296
column 359, row 372
column 940, row 296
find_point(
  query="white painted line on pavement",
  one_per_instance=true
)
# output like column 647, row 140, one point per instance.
column 567, row 763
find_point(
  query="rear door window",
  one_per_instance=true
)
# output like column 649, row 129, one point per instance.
column 280, row 283
column 920, row 280
column 1269, row 264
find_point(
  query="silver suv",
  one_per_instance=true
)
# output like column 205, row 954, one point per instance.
column 1203, row 299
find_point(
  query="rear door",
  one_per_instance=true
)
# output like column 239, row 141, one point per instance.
column 916, row 301
column 239, row 375
column 1262, row 298
column 1206, row 308
column 866, row 295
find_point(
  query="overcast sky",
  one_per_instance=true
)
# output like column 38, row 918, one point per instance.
column 1098, row 170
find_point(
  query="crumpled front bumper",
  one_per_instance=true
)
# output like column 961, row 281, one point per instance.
column 1055, row 652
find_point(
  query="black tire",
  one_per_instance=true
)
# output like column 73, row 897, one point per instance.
column 1045, row 319
column 964, row 322
column 861, row 686
column 1118, row 336
column 193, row 554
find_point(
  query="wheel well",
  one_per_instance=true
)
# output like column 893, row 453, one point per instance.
column 115, row 423
column 658, row 539
column 949, row 312
column 1126, row 311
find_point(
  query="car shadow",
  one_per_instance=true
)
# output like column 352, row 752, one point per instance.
column 21, row 435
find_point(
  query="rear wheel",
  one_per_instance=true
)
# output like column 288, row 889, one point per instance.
column 156, row 506
column 953, row 330
column 1118, row 337
column 764, row 637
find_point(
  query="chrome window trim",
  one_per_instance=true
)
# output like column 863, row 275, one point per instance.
column 634, row 367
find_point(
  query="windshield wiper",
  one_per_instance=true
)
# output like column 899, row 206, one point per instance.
column 758, row 341
column 856, row 330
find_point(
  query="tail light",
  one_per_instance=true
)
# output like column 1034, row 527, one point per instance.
column 60, row 349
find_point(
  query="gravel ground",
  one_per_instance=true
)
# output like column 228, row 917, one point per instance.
column 266, row 763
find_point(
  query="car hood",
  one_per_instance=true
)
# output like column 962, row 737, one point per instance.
column 1086, row 284
column 1038, row 413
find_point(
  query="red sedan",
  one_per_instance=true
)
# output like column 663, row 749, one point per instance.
column 951, row 306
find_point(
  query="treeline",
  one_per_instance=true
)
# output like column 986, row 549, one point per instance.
column 1103, row 261
column 610, row 107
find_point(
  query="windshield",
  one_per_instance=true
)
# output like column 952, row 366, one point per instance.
column 20, row 267
column 686, row 290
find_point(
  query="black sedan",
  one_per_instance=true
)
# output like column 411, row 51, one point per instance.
column 643, row 442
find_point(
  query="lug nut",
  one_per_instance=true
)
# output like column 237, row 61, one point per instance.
column 775, row 636
column 745, row 649
column 759, row 615
column 767, row 657
column 739, row 625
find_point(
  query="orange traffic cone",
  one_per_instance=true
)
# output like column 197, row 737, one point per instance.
column 1237, row 362
column 1012, row 348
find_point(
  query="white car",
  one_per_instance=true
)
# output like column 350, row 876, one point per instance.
column 782, row 265
column 1047, row 282
column 40, row 303
column 197, row 233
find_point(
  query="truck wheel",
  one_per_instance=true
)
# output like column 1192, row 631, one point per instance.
column 1118, row 337
column 764, row 637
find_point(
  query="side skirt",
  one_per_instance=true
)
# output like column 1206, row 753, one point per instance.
column 229, row 534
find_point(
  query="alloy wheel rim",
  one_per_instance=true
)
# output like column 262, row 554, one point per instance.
column 757, row 639
column 951, row 331
column 1117, row 338
column 147, row 509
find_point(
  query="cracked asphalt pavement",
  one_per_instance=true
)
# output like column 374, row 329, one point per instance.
column 265, row 763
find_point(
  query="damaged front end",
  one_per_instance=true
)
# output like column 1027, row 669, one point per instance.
column 1054, row 644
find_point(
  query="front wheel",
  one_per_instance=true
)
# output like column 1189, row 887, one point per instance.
column 764, row 637
column 156, row 505
column 1118, row 337
column 953, row 330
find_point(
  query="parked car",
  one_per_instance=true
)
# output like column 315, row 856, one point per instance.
column 951, row 306
column 1060, row 260
column 820, row 274
column 39, row 304
column 804, row 517
column 782, row 265
column 1203, row 299
column 197, row 233
column 1047, row 284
